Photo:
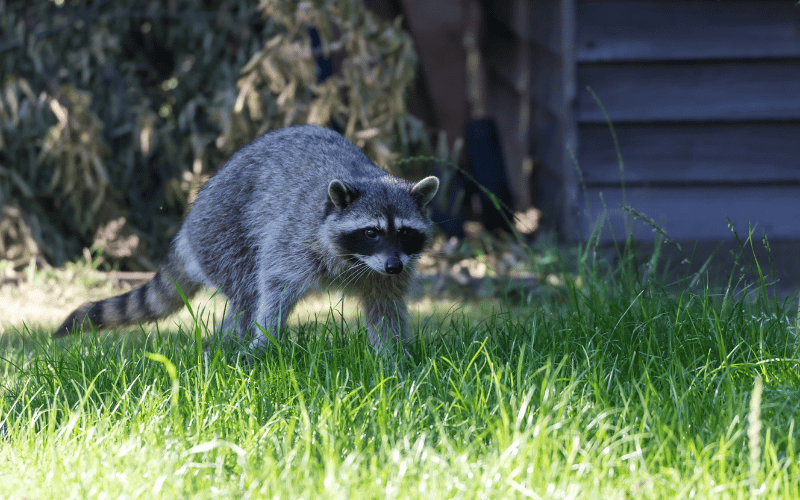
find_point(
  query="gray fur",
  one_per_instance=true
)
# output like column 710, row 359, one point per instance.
column 268, row 228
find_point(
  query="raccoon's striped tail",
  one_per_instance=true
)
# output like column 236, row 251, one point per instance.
column 154, row 299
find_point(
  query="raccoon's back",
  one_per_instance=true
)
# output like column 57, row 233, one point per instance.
column 280, row 180
column 295, row 161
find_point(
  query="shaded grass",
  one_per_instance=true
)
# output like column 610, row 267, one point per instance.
column 623, row 385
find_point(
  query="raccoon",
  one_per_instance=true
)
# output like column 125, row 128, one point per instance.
column 298, row 209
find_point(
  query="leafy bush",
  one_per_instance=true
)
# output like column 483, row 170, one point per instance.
column 113, row 114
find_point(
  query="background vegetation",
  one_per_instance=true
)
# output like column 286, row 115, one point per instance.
column 113, row 114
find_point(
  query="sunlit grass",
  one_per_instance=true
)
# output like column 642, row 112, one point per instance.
column 621, row 386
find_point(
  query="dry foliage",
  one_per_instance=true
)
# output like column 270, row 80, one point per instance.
column 113, row 114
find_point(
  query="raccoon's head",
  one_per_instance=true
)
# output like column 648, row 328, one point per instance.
column 382, row 222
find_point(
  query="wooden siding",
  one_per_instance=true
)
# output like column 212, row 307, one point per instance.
column 686, row 30
column 539, row 88
column 707, row 91
column 508, row 75
column 705, row 99
column 696, row 212
column 767, row 152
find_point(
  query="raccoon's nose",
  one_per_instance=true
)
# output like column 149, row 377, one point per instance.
column 394, row 265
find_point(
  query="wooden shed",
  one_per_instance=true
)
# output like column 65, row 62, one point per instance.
column 704, row 97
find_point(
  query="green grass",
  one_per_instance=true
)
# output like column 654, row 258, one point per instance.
column 621, row 386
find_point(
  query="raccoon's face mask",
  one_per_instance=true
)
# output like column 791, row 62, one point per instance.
column 386, row 239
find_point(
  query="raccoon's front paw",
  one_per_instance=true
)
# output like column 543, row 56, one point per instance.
column 254, row 351
column 247, row 359
column 392, row 352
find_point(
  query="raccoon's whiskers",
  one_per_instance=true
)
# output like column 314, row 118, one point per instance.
column 342, row 277
column 362, row 271
column 348, row 276
column 358, row 272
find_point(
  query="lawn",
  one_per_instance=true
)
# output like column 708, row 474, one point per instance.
column 621, row 383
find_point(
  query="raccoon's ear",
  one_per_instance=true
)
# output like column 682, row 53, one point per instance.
column 425, row 190
column 341, row 194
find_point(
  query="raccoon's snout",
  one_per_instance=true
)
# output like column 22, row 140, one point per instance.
column 394, row 265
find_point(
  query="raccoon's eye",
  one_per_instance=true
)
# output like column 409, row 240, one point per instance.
column 371, row 233
column 403, row 234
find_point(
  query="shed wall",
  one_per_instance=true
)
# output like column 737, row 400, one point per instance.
column 705, row 100
column 537, row 90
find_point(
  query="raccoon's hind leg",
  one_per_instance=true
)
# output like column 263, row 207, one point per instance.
column 234, row 332
column 154, row 299
column 278, row 298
